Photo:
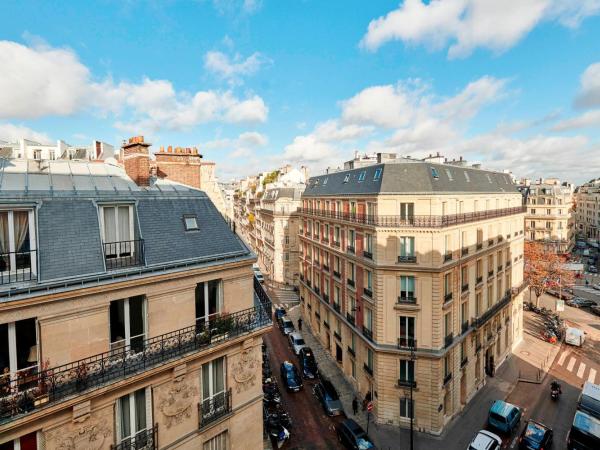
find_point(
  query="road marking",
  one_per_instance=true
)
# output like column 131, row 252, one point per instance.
column 581, row 370
column 562, row 358
column 592, row 375
column 571, row 364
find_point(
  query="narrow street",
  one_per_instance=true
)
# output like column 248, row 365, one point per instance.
column 312, row 429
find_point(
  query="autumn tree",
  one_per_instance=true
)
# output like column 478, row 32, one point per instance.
column 544, row 269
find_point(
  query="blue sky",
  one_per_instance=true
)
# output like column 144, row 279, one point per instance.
column 255, row 84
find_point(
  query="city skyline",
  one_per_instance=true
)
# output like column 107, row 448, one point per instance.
column 257, row 84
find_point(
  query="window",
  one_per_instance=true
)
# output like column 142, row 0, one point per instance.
column 353, row 342
column 479, row 270
column 325, row 181
column 208, row 302
column 317, row 228
column 336, row 264
column 447, row 366
column 37, row 154
column 51, row 155
column 407, row 288
column 26, row 442
column 407, row 247
column 406, row 408
column 407, row 331
column 353, row 209
column 117, row 230
column 479, row 304
column 336, row 235
column 351, row 305
column 17, row 243
column 351, row 271
column 407, row 370
column 407, row 211
column 369, row 243
column 326, row 232
column 362, row 175
column 448, row 286
column 347, row 178
column 128, row 324
column 336, row 295
column 368, row 319
column 368, row 279
column 213, row 388
column 464, row 312
column 18, row 350
column 353, row 368
column 434, row 173
column 369, row 358
column 219, row 442
column 287, row 240
column 464, row 275
column 377, row 175
column 190, row 222
column 448, row 324
column 351, row 239
column 490, row 295
column 134, row 417
column 449, row 174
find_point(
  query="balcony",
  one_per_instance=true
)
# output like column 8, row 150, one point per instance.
column 407, row 343
column 448, row 297
column 407, row 299
column 351, row 351
column 212, row 409
column 367, row 254
column 464, row 327
column 368, row 369
column 326, row 324
column 479, row 245
column 448, row 340
column 479, row 279
column 16, row 267
column 448, row 257
column 447, row 379
column 350, row 318
column 368, row 292
column 308, row 283
column 350, row 282
column 120, row 255
column 337, row 336
column 490, row 242
column 326, row 298
column 350, row 249
column 336, row 307
column 465, row 287
column 147, row 440
column 464, row 362
column 406, row 383
column 500, row 239
column 58, row 383
column 317, row 290
column 317, row 314
column 409, row 258
column 325, row 267
column 337, row 274
column 499, row 268
column 464, row 251
column 336, row 243
column 367, row 333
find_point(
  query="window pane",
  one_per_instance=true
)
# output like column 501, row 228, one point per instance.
column 140, row 410
column 26, row 343
column 205, row 381
column 4, row 356
column 125, row 417
column 117, row 320
column 110, row 225
column 136, row 321
column 4, row 247
column 213, row 296
column 21, row 224
column 200, row 301
column 218, row 379
column 124, row 230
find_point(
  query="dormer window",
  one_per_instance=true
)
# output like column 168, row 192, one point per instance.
column 17, row 246
column 377, row 175
column 191, row 223
column 434, row 173
column 347, row 178
column 362, row 175
column 121, row 249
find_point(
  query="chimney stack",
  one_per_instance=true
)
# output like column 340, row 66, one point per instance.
column 136, row 159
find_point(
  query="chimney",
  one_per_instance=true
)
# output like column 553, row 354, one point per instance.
column 136, row 159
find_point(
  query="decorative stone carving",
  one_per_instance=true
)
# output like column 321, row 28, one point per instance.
column 245, row 370
column 176, row 404
column 89, row 435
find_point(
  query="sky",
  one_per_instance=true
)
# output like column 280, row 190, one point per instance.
column 255, row 84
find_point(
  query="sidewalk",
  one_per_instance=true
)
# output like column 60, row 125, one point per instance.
column 458, row 433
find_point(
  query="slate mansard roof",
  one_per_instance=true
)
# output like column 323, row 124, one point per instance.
column 67, row 196
column 409, row 177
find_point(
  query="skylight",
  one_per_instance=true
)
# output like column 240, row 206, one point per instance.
column 449, row 174
column 190, row 222
column 467, row 176
column 347, row 178
column 362, row 175
column 325, row 181
column 435, row 173
column 377, row 175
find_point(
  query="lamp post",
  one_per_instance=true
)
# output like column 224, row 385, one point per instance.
column 413, row 358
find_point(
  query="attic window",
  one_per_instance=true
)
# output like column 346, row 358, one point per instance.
column 325, row 181
column 449, row 174
column 377, row 175
column 316, row 182
column 347, row 178
column 467, row 177
column 434, row 173
column 362, row 175
column 488, row 177
column 190, row 223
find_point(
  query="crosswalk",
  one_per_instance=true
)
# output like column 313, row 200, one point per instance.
column 572, row 364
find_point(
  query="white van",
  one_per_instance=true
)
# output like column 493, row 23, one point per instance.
column 575, row 336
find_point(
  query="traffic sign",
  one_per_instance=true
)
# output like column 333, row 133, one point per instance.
column 370, row 406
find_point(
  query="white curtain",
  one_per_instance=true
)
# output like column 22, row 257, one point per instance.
column 124, row 230
column 3, row 232
column 21, row 219
column 110, row 225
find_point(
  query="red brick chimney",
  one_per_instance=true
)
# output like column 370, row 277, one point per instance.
column 136, row 159
column 179, row 164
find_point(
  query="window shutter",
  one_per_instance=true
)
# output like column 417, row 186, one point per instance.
column 118, row 431
column 149, row 422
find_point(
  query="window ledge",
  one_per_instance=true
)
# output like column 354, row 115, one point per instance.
column 407, row 306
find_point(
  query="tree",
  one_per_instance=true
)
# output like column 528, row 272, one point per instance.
column 270, row 177
column 544, row 269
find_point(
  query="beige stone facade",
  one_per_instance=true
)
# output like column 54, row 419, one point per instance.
column 549, row 217
column 587, row 206
column 437, row 272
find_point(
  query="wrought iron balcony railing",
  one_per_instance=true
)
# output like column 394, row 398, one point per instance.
column 368, row 369
column 350, row 282
column 350, row 318
column 448, row 340
column 407, row 259
column 350, row 249
column 368, row 255
column 407, row 343
column 336, row 307
column 17, row 267
column 478, row 322
column 337, row 274
column 407, row 383
column 213, row 408
column 368, row 292
column 351, row 351
column 447, row 379
column 464, row 327
column 123, row 254
column 52, row 385
column 367, row 333
column 410, row 299
column 146, row 440
column 448, row 257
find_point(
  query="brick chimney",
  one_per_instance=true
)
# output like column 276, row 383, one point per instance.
column 179, row 164
column 136, row 159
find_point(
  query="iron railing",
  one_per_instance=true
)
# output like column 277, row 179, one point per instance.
column 368, row 292
column 407, row 343
column 213, row 408
column 123, row 254
column 410, row 299
column 406, row 383
column 368, row 369
column 351, row 351
column 17, row 267
column 423, row 221
column 447, row 379
column 350, row 318
column 146, row 440
column 448, row 340
column 55, row 384
column 367, row 254
column 336, row 307
column 478, row 322
column 407, row 259
column 367, row 333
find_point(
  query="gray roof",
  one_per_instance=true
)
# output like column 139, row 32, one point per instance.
column 69, row 245
column 409, row 177
column 284, row 192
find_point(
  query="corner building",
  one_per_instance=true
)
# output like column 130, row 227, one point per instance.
column 129, row 315
column 412, row 255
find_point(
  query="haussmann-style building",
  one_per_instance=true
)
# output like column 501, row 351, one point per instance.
column 129, row 314
column 412, row 274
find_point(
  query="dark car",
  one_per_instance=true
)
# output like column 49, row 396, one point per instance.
column 585, row 432
column 286, row 325
column 329, row 398
column 290, row 377
column 579, row 302
column 563, row 294
column 352, row 436
column 535, row 436
column 308, row 364
column 279, row 312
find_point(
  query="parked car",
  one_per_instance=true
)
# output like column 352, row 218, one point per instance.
column 592, row 269
column 579, row 302
column 329, row 398
column 504, row 416
column 290, row 377
column 308, row 363
column 574, row 336
column 352, row 436
column 597, row 287
column 485, row 440
column 279, row 312
column 296, row 342
column 564, row 295
column 584, row 433
column 589, row 399
column 286, row 325
column 535, row 436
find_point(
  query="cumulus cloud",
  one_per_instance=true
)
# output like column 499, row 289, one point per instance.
column 464, row 25
column 12, row 133
column 233, row 68
column 42, row 81
column 589, row 90
column 585, row 120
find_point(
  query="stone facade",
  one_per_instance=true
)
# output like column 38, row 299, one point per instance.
column 587, row 210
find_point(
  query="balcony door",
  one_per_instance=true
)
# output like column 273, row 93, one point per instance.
column 214, row 400
column 134, row 419
column 128, row 324
column 17, row 246
column 117, row 231
column 208, row 302
column 18, row 354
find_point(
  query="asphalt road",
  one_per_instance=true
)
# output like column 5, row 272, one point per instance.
column 311, row 429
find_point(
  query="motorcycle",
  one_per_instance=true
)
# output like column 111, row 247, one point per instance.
column 555, row 391
column 277, row 431
column 281, row 415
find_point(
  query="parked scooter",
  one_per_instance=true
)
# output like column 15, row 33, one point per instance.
column 555, row 390
column 277, row 431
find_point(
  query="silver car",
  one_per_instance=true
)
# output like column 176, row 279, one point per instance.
column 296, row 342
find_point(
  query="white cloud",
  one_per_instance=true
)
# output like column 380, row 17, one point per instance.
column 237, row 6
column 589, row 90
column 12, row 133
column 42, row 81
column 464, row 25
column 585, row 120
column 233, row 68
column 332, row 131
column 248, row 139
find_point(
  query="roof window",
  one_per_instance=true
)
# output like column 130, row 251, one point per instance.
column 325, row 181
column 362, row 175
column 467, row 176
column 434, row 173
column 190, row 222
column 449, row 174
column 377, row 175
column 347, row 178
column 488, row 177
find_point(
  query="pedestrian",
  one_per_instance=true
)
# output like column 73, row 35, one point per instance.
column 355, row 405
column 300, row 324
